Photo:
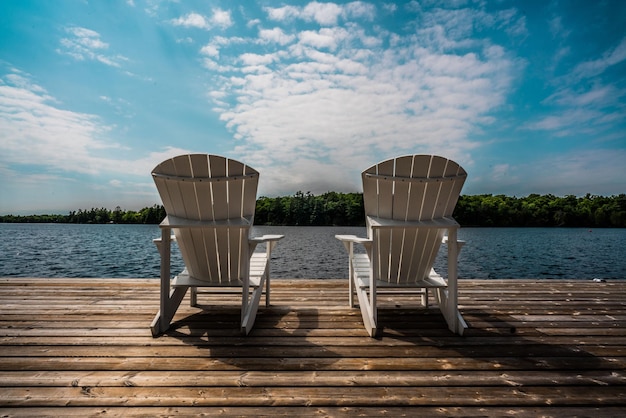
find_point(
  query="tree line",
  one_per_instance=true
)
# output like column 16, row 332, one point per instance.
column 148, row 215
column 542, row 211
column 346, row 209
column 306, row 209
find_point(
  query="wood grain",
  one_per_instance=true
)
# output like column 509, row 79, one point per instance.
column 83, row 347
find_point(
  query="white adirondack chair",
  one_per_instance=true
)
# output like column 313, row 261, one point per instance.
column 408, row 206
column 210, row 202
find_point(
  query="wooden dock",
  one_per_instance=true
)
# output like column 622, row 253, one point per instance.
column 82, row 347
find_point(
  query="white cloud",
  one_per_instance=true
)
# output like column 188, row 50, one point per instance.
column 282, row 13
column 566, row 121
column 29, row 117
column 324, row 38
column 210, row 50
column 323, row 13
column 585, row 108
column 518, row 28
column 192, row 20
column 85, row 44
column 276, row 35
column 220, row 18
column 500, row 171
column 213, row 65
column 333, row 98
column 609, row 58
column 185, row 40
column 359, row 9
column 253, row 22
column 597, row 96
column 512, row 23
column 557, row 28
column 413, row 6
column 596, row 171
column 58, row 139
column 88, row 38
column 256, row 59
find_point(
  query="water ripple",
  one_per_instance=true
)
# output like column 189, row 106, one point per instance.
column 55, row 250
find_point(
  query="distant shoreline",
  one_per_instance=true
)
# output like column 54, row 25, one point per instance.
column 346, row 209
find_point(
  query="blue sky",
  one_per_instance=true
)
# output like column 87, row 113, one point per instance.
column 528, row 96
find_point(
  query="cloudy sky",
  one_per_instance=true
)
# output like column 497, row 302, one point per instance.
column 528, row 96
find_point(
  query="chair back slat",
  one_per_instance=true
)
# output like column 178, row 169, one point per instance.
column 249, row 193
column 455, row 172
column 385, row 190
column 409, row 188
column 235, row 189
column 421, row 163
column 401, row 189
column 234, row 193
column 209, row 188
column 219, row 194
column 370, row 192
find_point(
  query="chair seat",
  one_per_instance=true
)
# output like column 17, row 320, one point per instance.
column 362, row 273
column 258, row 262
column 187, row 281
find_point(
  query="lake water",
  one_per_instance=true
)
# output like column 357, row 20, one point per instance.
column 67, row 250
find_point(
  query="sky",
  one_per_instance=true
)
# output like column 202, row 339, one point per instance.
column 528, row 96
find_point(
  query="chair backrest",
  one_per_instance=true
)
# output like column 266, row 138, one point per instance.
column 210, row 188
column 409, row 188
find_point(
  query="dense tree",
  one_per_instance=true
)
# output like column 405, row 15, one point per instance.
column 151, row 215
column 333, row 208
column 542, row 210
column 306, row 209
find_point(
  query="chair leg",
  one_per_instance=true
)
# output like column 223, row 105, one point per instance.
column 448, row 298
column 351, row 290
column 450, row 312
column 368, row 311
column 163, row 318
column 248, row 316
column 267, row 286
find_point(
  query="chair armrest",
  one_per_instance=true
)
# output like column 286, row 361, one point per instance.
column 157, row 241
column 349, row 241
column 352, row 238
column 444, row 240
column 270, row 242
column 459, row 243
column 266, row 238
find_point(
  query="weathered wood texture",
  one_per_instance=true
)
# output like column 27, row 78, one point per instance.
column 82, row 347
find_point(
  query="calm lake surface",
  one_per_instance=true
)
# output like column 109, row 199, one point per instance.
column 66, row 250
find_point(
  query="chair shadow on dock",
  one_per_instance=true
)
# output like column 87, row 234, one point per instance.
column 526, row 352
column 279, row 340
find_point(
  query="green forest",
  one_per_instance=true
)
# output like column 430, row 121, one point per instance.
column 346, row 209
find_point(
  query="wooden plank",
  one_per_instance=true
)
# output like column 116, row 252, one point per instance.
column 319, row 396
column 347, row 411
column 255, row 378
column 69, row 347
column 597, row 354
column 222, row 359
